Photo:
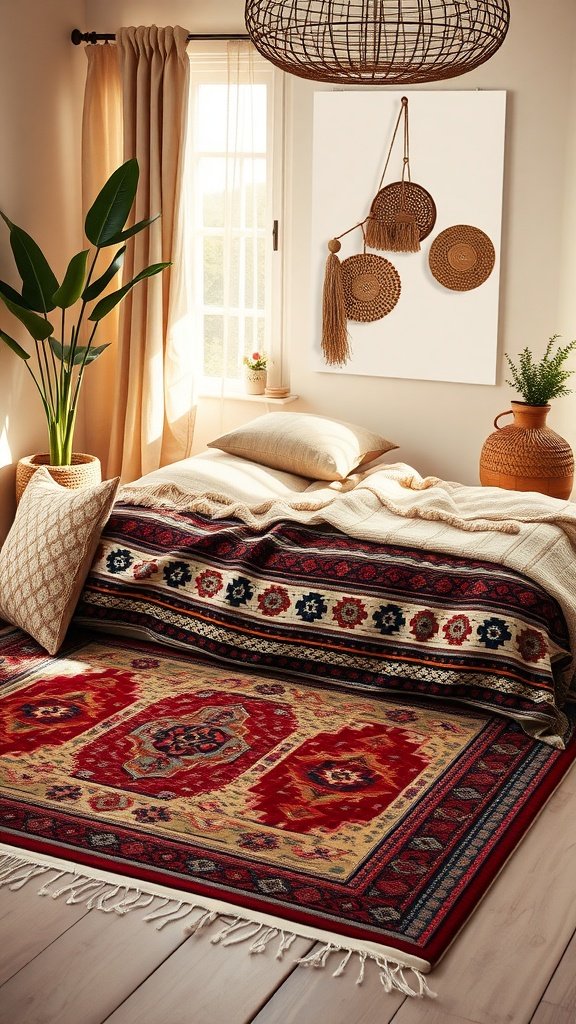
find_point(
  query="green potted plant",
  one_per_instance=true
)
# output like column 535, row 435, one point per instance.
column 61, row 350
column 527, row 455
column 540, row 381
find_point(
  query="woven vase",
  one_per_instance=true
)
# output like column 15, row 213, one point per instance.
column 84, row 471
column 526, row 455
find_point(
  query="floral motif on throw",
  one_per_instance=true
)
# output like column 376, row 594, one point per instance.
column 494, row 633
column 424, row 625
column 239, row 591
column 457, row 630
column 119, row 560
column 532, row 645
column 273, row 601
column 311, row 607
column 389, row 619
column 177, row 574
column 209, row 583
column 350, row 612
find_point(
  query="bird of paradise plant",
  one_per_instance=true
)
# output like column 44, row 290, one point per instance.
column 59, row 362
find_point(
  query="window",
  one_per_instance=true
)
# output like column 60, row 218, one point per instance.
column 233, row 177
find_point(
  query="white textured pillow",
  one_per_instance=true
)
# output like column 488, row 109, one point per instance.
column 48, row 553
column 298, row 442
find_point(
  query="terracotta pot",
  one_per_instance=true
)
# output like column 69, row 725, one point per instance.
column 254, row 381
column 85, row 470
column 526, row 455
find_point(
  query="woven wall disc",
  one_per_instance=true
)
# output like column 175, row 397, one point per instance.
column 461, row 257
column 389, row 201
column 371, row 286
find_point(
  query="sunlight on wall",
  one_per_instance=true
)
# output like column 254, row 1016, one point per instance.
column 6, row 458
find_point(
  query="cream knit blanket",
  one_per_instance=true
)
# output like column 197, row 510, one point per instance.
column 528, row 532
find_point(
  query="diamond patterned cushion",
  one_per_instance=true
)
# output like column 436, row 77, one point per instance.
column 47, row 554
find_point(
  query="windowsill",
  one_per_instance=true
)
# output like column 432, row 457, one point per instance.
column 241, row 397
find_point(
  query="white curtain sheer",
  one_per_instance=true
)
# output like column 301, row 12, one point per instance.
column 240, row 203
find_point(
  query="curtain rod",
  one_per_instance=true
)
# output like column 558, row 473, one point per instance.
column 77, row 37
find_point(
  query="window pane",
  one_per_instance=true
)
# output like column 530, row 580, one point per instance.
column 247, row 119
column 255, row 192
column 213, row 271
column 221, row 346
column 211, row 118
column 261, row 334
column 231, row 119
column 211, row 182
column 255, row 273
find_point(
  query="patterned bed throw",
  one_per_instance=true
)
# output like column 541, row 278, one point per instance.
column 309, row 601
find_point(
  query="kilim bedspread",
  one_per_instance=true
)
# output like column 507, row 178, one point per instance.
column 375, row 820
column 309, row 601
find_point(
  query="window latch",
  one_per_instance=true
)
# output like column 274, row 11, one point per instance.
column 275, row 236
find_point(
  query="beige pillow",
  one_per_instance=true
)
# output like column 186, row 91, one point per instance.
column 298, row 442
column 48, row 553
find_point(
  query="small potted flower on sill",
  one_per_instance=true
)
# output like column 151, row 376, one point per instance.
column 255, row 373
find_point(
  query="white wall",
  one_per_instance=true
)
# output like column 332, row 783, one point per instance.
column 41, row 85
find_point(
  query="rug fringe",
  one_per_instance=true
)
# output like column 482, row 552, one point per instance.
column 111, row 897
column 392, row 974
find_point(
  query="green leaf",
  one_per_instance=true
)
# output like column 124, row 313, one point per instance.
column 97, row 287
column 37, row 326
column 14, row 345
column 109, row 212
column 71, row 288
column 12, row 294
column 62, row 352
column 123, row 235
column 93, row 352
column 38, row 281
column 106, row 304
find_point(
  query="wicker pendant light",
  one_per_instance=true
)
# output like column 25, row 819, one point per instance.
column 390, row 41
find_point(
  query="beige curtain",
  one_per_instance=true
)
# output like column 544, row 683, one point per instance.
column 149, row 428
column 140, row 399
column 102, row 149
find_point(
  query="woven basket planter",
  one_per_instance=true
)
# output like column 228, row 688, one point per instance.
column 84, row 471
column 527, row 455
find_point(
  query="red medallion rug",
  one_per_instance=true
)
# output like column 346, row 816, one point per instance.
column 373, row 823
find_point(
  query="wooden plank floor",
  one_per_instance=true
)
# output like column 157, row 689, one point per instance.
column 514, row 962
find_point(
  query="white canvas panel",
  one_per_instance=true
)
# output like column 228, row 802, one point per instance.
column 457, row 155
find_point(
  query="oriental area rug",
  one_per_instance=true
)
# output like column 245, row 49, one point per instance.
column 375, row 825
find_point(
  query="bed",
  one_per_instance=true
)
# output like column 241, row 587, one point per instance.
column 376, row 580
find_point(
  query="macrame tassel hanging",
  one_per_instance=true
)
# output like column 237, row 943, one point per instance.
column 335, row 341
column 378, row 233
column 398, row 232
column 404, row 234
